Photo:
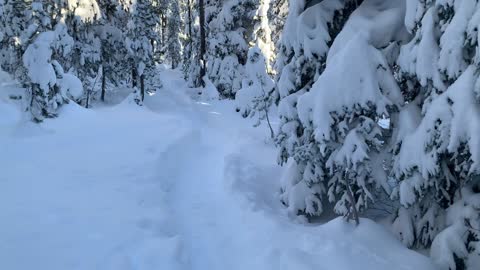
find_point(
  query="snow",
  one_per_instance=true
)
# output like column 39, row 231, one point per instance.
column 378, row 21
column 451, row 60
column 368, row 83
column 9, row 110
column 85, row 10
column 37, row 61
column 71, row 86
column 175, row 184
column 459, row 124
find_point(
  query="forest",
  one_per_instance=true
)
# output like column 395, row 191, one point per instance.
column 240, row 134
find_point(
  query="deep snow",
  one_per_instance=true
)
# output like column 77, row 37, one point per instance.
column 176, row 184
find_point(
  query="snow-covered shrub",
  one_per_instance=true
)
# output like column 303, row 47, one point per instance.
column 43, row 72
column 254, row 99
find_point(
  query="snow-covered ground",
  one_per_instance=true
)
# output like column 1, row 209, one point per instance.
column 177, row 184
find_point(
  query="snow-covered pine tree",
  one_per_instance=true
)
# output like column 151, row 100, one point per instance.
column 159, row 43
column 262, row 34
column 191, row 43
column 82, row 17
column 437, row 157
column 230, row 28
column 13, row 21
column 277, row 15
column 113, row 49
column 45, row 39
column 308, row 33
column 140, row 33
column 174, row 26
column 255, row 97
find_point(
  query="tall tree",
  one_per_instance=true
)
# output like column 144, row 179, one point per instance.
column 301, row 60
column 173, row 34
column 45, row 39
column 230, row 28
column 203, row 44
column 139, row 35
column 436, row 161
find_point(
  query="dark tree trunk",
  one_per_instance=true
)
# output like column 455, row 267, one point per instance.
column 353, row 212
column 88, row 99
column 203, row 69
column 142, row 87
column 104, row 80
column 134, row 77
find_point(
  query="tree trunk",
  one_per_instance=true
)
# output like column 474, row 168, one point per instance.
column 189, row 12
column 142, row 87
column 88, row 99
column 104, row 80
column 353, row 212
column 272, row 134
column 134, row 77
column 203, row 42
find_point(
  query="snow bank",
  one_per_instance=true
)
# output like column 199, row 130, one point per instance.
column 71, row 86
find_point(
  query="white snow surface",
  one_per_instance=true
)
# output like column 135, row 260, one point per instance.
column 175, row 184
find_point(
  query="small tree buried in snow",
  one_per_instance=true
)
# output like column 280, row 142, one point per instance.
column 254, row 99
column 45, row 74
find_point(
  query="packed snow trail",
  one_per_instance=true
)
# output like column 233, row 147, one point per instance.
column 175, row 185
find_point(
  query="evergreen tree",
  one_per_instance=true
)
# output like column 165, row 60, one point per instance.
column 82, row 19
column 46, row 39
column 254, row 99
column 13, row 21
column 277, row 15
column 173, row 35
column 262, row 34
column 191, row 43
column 230, row 28
column 139, row 35
column 300, row 61
column 437, row 156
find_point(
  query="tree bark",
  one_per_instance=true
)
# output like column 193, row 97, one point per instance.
column 88, row 99
column 134, row 77
column 142, row 87
column 203, row 69
column 104, row 80
column 353, row 207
